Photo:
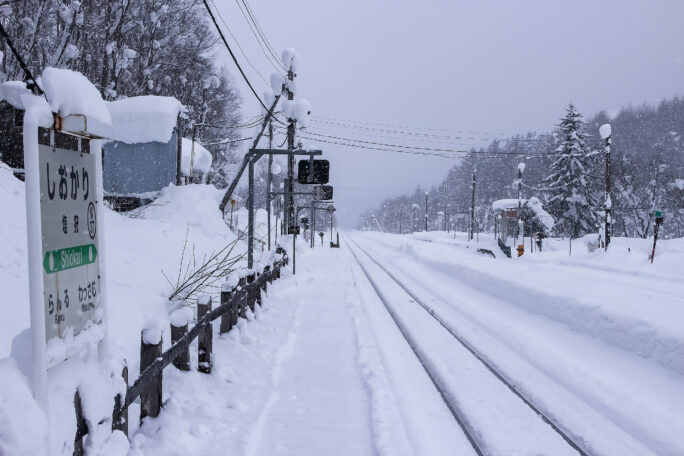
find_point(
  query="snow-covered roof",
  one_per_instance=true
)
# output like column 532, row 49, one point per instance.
column 202, row 162
column 144, row 119
column 509, row 203
column 11, row 92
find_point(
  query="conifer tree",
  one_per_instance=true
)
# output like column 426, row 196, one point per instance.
column 570, row 201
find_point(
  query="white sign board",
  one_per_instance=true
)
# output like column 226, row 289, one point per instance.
column 69, row 212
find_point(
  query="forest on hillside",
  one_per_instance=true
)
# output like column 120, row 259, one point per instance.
column 647, row 169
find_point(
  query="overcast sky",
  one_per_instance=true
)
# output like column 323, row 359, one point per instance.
column 484, row 67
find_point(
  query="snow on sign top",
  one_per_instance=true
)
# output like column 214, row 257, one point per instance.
column 144, row 119
column 202, row 161
column 69, row 93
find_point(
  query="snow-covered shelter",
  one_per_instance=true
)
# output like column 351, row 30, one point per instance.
column 148, row 151
column 536, row 221
column 143, row 157
column 11, row 125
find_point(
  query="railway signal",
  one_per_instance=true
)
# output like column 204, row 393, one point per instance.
column 313, row 171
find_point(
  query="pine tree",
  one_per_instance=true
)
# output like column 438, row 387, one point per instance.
column 571, row 202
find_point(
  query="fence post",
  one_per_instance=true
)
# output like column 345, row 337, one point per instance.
column 81, row 425
column 269, row 275
column 150, row 350
column 120, row 416
column 251, row 295
column 179, row 328
column 242, row 304
column 205, row 337
column 227, row 317
column 260, row 287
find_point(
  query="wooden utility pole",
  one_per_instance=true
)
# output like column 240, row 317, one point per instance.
column 521, row 233
column 268, row 184
column 472, row 209
column 606, row 134
column 446, row 218
column 289, row 187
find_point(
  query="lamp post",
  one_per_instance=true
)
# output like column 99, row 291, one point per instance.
column 331, row 209
column 426, row 211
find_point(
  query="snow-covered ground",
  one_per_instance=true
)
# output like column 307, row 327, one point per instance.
column 343, row 359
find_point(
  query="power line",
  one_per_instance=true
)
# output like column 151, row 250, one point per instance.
column 249, row 23
column 415, row 148
column 263, row 35
column 238, row 44
column 233, row 55
column 377, row 148
column 424, row 135
column 363, row 122
column 33, row 86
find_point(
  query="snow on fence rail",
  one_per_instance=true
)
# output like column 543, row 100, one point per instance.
column 148, row 386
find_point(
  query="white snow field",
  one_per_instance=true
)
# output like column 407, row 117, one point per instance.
column 390, row 345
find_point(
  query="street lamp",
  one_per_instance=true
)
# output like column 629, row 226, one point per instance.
column 426, row 211
column 331, row 209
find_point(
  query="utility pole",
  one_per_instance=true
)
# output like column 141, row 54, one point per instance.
column 446, row 226
column 606, row 134
column 289, row 186
column 269, row 183
column 521, row 167
column 472, row 209
column 426, row 211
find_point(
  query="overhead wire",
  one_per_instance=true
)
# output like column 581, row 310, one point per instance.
column 218, row 13
column 233, row 55
column 261, row 46
column 424, row 135
column 405, row 127
column 438, row 151
column 267, row 42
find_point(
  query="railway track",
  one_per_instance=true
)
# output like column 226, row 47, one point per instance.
column 470, row 429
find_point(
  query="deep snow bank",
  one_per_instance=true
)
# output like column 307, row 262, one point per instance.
column 618, row 297
column 139, row 247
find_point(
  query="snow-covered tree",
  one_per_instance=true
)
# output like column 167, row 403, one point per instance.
column 571, row 201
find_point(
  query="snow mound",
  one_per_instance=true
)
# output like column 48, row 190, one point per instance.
column 194, row 205
column 290, row 59
column 536, row 206
column 202, row 161
column 22, row 423
column 298, row 110
column 144, row 119
column 12, row 91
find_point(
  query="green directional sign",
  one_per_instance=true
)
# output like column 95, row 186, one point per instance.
column 70, row 257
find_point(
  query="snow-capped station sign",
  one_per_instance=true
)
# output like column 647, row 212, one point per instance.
column 62, row 155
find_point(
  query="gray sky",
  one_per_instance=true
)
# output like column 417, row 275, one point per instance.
column 481, row 67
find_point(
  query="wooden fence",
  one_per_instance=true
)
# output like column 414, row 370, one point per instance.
column 148, row 386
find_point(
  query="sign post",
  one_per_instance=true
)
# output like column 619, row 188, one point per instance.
column 658, row 221
column 63, row 209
